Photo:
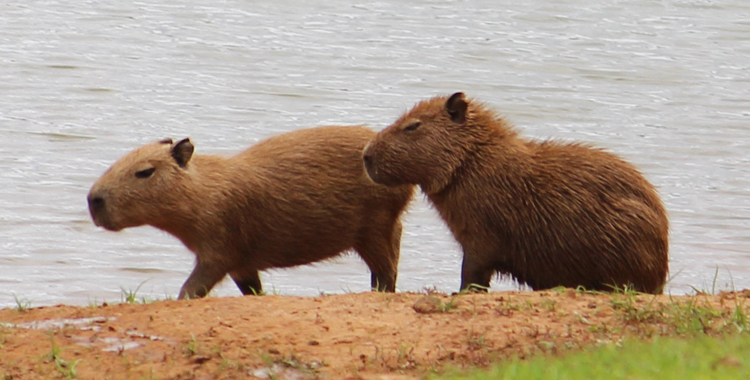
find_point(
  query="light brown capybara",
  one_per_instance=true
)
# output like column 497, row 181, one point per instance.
column 545, row 213
column 293, row 199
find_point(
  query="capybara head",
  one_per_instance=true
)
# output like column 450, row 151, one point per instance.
column 426, row 145
column 138, row 188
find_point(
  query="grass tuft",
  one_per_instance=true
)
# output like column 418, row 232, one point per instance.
column 22, row 304
column 66, row 369
column 131, row 296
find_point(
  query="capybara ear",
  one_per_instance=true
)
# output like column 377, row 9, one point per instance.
column 166, row 140
column 182, row 152
column 456, row 107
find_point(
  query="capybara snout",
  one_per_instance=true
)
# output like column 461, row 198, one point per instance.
column 370, row 165
column 97, row 209
column 96, row 204
column 97, row 201
column 293, row 199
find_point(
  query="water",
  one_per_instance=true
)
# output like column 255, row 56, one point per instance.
column 664, row 84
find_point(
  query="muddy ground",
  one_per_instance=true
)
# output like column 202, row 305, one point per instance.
column 355, row 336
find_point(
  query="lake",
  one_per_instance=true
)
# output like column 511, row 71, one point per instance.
column 664, row 84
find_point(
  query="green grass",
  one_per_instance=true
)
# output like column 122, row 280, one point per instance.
column 131, row 296
column 22, row 304
column 191, row 348
column 673, row 339
column 661, row 359
column 67, row 369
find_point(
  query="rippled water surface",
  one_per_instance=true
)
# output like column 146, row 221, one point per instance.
column 664, row 84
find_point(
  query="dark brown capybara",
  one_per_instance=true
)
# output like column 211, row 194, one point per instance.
column 293, row 199
column 545, row 213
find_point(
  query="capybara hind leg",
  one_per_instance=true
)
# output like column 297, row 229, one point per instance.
column 201, row 281
column 248, row 281
column 380, row 248
column 383, row 282
column 475, row 277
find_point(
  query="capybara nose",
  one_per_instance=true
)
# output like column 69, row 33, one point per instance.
column 367, row 158
column 369, row 161
column 367, row 155
column 96, row 202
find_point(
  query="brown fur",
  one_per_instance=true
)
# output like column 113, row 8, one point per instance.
column 546, row 213
column 293, row 199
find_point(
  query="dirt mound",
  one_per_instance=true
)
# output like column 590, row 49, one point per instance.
column 368, row 335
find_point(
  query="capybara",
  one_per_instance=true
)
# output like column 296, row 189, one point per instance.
column 293, row 199
column 546, row 213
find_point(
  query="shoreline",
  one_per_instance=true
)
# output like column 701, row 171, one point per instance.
column 358, row 335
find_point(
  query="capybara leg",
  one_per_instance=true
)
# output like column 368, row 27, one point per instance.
column 201, row 281
column 248, row 282
column 380, row 249
column 380, row 282
column 382, row 275
column 475, row 277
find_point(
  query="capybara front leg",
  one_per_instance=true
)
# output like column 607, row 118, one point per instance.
column 248, row 282
column 201, row 281
column 475, row 277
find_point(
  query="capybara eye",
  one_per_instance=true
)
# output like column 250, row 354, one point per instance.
column 413, row 126
column 145, row 173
